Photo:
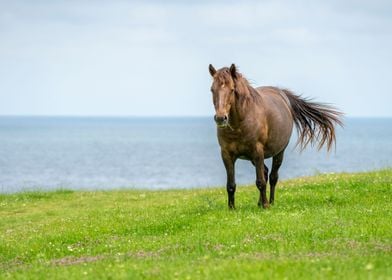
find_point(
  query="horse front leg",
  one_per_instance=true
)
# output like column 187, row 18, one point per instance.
column 261, row 181
column 229, row 162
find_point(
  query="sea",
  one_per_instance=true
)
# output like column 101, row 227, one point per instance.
column 103, row 153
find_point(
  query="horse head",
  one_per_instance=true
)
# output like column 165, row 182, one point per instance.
column 223, row 96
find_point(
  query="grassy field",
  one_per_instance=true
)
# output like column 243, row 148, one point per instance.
column 324, row 227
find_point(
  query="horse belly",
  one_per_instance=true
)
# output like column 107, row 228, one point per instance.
column 280, row 128
column 278, row 139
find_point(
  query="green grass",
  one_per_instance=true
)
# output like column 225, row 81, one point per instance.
column 329, row 226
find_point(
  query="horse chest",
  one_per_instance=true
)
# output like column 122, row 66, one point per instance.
column 244, row 151
column 235, row 143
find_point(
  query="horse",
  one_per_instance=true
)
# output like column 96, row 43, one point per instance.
column 256, row 123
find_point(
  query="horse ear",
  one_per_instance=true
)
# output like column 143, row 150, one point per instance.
column 212, row 70
column 233, row 71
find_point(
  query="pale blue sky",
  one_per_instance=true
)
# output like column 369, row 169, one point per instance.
column 141, row 58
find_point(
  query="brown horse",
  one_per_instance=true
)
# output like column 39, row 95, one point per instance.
column 256, row 123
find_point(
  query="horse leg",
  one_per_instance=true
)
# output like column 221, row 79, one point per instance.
column 261, row 182
column 276, row 163
column 265, row 171
column 229, row 162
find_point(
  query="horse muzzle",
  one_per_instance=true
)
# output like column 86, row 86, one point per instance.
column 221, row 121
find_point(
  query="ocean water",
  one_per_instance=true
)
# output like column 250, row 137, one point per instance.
column 160, row 153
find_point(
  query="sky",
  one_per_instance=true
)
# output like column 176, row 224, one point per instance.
column 150, row 58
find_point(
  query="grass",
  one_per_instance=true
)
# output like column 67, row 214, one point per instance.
column 324, row 227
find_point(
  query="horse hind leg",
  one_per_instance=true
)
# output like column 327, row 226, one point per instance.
column 266, row 173
column 274, row 176
column 261, row 183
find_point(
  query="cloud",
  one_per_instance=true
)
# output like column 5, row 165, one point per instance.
column 101, row 57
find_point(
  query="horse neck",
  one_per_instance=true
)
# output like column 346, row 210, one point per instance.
column 234, row 115
column 242, row 104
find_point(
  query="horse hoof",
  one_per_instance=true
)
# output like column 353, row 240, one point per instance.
column 266, row 205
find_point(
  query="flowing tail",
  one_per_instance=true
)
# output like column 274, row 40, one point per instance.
column 315, row 122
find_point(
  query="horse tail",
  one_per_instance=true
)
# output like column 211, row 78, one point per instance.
column 315, row 122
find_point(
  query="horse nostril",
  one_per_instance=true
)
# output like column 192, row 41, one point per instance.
column 225, row 118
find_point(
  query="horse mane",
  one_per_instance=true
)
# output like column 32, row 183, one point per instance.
column 246, row 92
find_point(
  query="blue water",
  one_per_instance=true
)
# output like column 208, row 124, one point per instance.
column 106, row 153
